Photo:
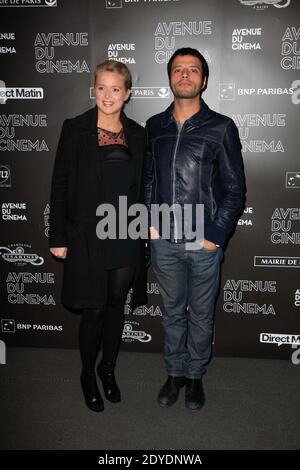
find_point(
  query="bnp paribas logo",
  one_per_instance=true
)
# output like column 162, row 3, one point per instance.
column 150, row 92
column 292, row 179
column 262, row 4
column 114, row 4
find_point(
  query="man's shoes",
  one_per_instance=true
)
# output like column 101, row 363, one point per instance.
column 110, row 387
column 169, row 392
column 91, row 393
column 194, row 395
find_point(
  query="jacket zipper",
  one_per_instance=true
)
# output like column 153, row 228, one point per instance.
column 212, row 199
column 174, row 161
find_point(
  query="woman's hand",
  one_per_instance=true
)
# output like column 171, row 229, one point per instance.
column 59, row 252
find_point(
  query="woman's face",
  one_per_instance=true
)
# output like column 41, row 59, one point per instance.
column 110, row 92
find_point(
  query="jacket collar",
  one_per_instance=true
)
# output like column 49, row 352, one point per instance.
column 197, row 119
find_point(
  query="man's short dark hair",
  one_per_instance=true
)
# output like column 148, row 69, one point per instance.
column 194, row 53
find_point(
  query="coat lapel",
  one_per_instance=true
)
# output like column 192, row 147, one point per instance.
column 136, row 146
column 93, row 141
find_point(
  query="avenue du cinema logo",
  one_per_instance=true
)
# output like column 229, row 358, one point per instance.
column 246, row 220
column 16, row 254
column 236, row 290
column 284, row 225
column 13, row 211
column 245, row 122
column 263, row 4
column 166, row 33
column 241, row 39
column 28, row 3
column 150, row 310
column 131, row 333
column 47, row 45
column 292, row 179
column 18, row 282
column 230, row 91
column 290, row 49
column 4, row 47
column 9, row 123
column 5, row 176
column 9, row 325
column 122, row 52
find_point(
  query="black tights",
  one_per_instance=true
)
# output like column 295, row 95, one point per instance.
column 106, row 323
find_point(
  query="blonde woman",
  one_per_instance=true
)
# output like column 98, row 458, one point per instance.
column 99, row 158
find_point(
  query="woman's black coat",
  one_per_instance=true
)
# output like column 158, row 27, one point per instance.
column 75, row 195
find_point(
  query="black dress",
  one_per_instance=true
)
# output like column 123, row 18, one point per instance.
column 119, row 179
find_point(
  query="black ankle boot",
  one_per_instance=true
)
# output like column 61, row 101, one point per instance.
column 170, row 390
column 91, row 392
column 194, row 395
column 110, row 387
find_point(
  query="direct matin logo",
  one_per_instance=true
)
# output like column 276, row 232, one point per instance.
column 295, row 357
column 19, row 93
column 279, row 339
column 3, row 92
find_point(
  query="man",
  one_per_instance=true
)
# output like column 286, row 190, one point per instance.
column 193, row 157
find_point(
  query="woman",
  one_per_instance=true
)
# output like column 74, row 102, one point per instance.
column 99, row 158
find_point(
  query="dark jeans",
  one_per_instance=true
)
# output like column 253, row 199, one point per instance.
column 188, row 282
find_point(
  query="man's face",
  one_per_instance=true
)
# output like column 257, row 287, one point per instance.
column 186, row 79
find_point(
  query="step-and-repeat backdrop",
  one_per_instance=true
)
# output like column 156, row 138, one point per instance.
column 48, row 50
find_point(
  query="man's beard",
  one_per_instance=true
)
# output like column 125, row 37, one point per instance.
column 186, row 94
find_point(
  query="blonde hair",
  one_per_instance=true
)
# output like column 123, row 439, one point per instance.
column 116, row 67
